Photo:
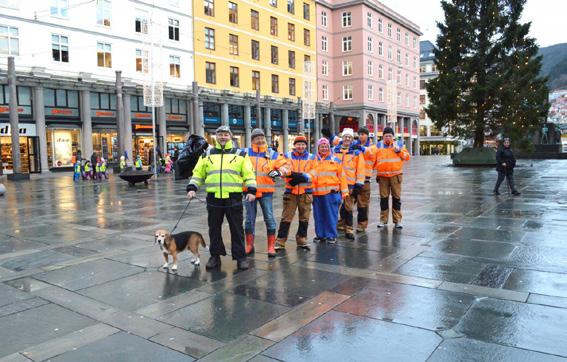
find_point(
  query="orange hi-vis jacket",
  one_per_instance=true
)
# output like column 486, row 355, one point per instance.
column 369, row 151
column 301, row 163
column 388, row 162
column 328, row 176
column 264, row 160
column 353, row 164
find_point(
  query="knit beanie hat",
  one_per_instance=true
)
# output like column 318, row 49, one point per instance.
column 257, row 132
column 321, row 141
column 348, row 132
column 363, row 130
column 300, row 139
column 388, row 130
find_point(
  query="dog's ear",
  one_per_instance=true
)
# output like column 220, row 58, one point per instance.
column 155, row 238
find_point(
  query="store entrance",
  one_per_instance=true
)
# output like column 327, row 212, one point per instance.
column 144, row 146
column 29, row 154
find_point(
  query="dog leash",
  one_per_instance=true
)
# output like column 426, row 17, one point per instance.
column 181, row 217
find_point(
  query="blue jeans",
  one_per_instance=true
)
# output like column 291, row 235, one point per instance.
column 267, row 209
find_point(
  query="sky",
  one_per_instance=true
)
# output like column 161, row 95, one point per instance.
column 548, row 18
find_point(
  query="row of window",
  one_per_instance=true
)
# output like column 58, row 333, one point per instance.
column 347, row 47
column 211, row 78
column 348, row 94
column 209, row 10
column 346, row 22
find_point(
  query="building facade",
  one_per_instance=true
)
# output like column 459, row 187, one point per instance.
column 67, row 54
column 250, row 63
column 367, row 67
column 433, row 141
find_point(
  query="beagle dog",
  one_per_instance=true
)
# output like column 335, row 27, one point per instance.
column 176, row 243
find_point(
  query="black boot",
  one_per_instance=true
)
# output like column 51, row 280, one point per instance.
column 242, row 264
column 214, row 262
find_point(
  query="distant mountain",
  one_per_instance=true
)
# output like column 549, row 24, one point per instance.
column 554, row 65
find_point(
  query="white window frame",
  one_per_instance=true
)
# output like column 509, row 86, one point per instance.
column 104, row 13
column 210, row 34
column 380, row 49
column 346, row 19
column 324, row 44
column 174, row 23
column 407, row 59
column 389, row 52
column 380, row 95
column 390, row 73
column 380, row 71
column 380, row 25
column 325, row 92
column 414, row 81
column 59, row 8
column 407, row 38
column 370, row 44
column 175, row 60
column 60, row 44
column 369, row 19
column 324, row 19
column 414, row 42
column 398, row 34
column 389, row 30
column 370, row 91
column 347, row 92
column 105, row 47
column 370, row 68
column 141, row 16
column 347, row 44
column 12, row 36
column 144, row 57
column 399, row 56
column 407, row 100
column 347, row 68
column 324, row 67
column 407, row 80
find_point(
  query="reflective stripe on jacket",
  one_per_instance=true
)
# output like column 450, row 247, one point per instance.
column 353, row 164
column 328, row 176
column 369, row 151
column 224, row 171
column 295, row 162
column 263, row 160
column 388, row 162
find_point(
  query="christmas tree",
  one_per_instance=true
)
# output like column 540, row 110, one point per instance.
column 488, row 66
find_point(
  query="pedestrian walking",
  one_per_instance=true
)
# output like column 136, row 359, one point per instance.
column 122, row 163
column 505, row 163
column 224, row 170
column 103, row 168
column 390, row 156
column 298, row 193
column 77, row 170
column 354, row 168
column 329, row 188
column 87, row 172
column 138, row 163
column 264, row 161
column 363, row 197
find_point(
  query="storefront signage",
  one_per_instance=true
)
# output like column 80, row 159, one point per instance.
column 277, row 123
column 61, row 112
column 62, row 147
column 212, row 120
column 237, row 122
column 25, row 129
column 139, row 115
column 176, row 117
column 23, row 110
column 103, row 113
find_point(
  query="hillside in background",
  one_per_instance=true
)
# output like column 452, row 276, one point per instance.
column 555, row 65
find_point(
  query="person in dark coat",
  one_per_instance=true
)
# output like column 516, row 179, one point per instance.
column 505, row 163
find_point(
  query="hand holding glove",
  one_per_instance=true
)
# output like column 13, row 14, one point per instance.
column 297, row 178
column 274, row 174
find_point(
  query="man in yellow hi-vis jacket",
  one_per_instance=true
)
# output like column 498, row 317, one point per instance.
column 224, row 170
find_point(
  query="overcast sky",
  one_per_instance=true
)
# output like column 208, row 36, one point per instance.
column 548, row 18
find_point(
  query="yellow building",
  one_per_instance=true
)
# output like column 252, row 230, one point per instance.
column 245, row 45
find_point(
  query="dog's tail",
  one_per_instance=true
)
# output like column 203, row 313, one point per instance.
column 203, row 244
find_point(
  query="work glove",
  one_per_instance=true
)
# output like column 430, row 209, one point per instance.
column 297, row 178
column 356, row 146
column 274, row 174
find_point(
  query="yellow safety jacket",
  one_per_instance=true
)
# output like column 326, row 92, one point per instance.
column 224, row 171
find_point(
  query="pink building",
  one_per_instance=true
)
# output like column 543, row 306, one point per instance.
column 366, row 52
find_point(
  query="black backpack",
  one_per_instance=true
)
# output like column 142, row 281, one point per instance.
column 188, row 157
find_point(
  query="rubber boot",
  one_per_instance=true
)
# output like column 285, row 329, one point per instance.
column 249, row 244
column 271, row 245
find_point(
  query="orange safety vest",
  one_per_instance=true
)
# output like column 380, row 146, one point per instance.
column 295, row 162
column 388, row 162
column 263, row 160
column 328, row 176
column 353, row 164
column 369, row 151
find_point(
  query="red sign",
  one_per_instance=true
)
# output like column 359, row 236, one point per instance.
column 104, row 114
column 175, row 117
column 62, row 111
column 7, row 109
column 142, row 115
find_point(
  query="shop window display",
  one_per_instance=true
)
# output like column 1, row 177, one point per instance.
column 105, row 142
column 62, row 145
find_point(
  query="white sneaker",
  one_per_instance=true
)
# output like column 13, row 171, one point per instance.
column 380, row 225
column 197, row 261
column 174, row 267
column 399, row 225
column 165, row 266
column 331, row 240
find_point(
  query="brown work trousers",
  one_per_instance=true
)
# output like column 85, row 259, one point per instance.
column 362, row 203
column 391, row 185
column 292, row 202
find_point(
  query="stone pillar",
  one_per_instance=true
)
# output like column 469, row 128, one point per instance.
column 14, row 120
column 258, row 110
column 410, row 129
column 120, row 113
column 285, row 126
column 247, row 125
column 39, row 113
column 332, row 122
column 197, row 112
column 417, row 141
column 224, row 114
column 127, row 126
column 268, row 125
column 86, row 121
column 375, row 115
column 317, row 125
column 162, row 129
column 189, row 114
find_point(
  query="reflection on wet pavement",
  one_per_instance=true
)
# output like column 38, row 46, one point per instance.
column 470, row 277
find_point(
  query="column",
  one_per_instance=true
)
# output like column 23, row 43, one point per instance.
column 197, row 112
column 268, row 125
column 247, row 125
column 375, row 125
column 127, row 126
column 417, row 141
column 14, row 120
column 39, row 113
column 189, row 115
column 86, row 121
column 410, row 128
column 120, row 113
column 317, row 125
column 258, row 110
column 285, row 126
column 332, row 122
column 224, row 114
column 162, row 129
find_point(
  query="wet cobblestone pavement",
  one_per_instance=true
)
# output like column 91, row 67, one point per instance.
column 471, row 277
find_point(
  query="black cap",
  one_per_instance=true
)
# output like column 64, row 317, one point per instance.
column 388, row 130
column 363, row 130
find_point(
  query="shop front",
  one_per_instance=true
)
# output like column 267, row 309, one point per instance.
column 29, row 148
column 143, row 142
column 105, row 142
